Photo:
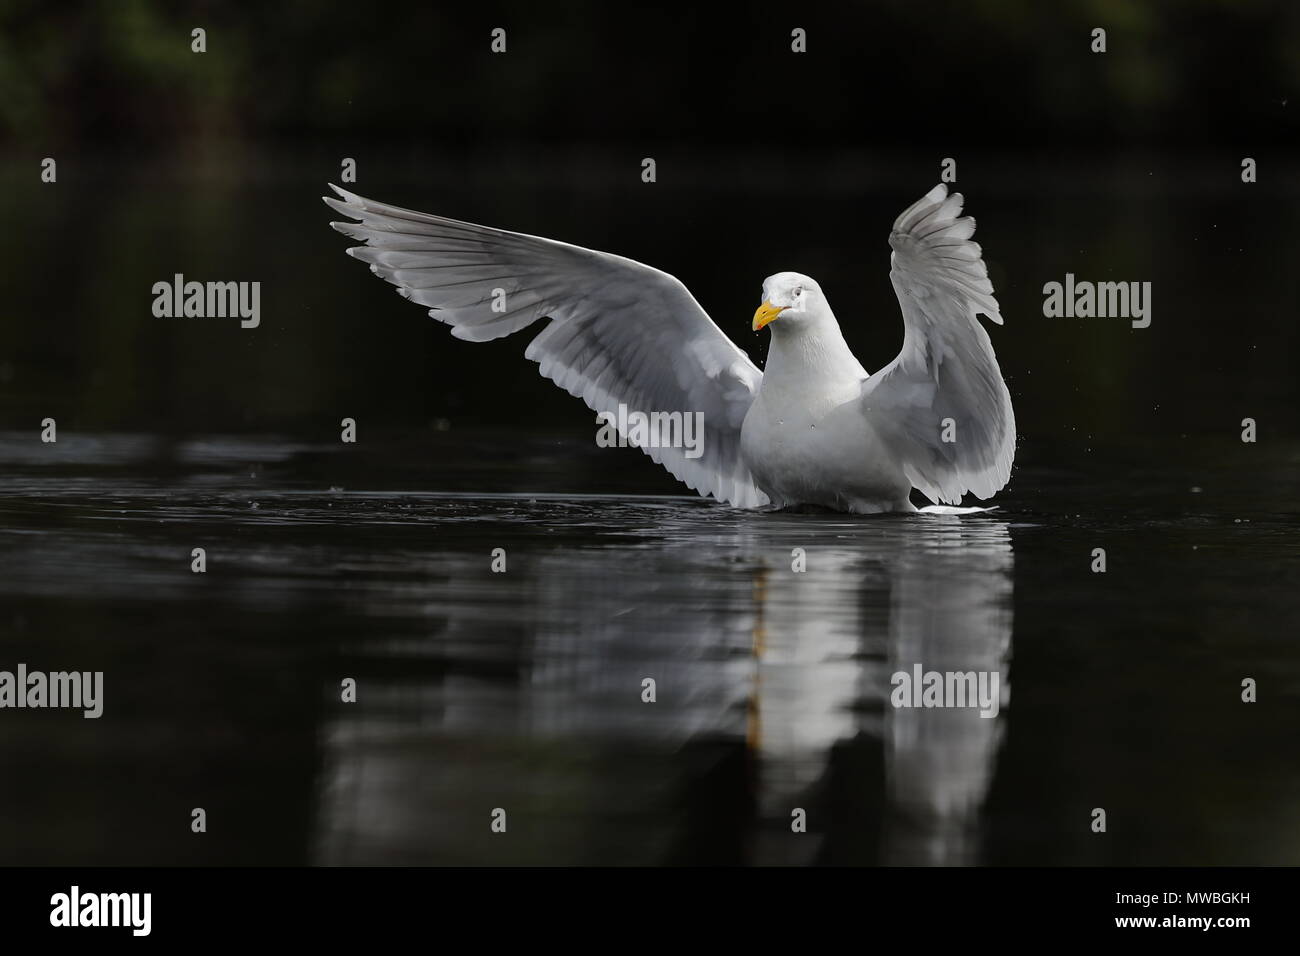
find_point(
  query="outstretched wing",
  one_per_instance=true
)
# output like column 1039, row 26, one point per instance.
column 619, row 332
column 941, row 406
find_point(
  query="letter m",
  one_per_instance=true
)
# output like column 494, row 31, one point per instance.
column 223, row 299
column 1109, row 293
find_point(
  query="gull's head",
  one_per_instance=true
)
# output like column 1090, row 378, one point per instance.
column 792, row 300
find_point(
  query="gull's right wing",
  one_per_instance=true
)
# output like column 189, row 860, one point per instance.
column 620, row 332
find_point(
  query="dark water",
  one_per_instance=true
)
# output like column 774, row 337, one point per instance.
column 523, row 690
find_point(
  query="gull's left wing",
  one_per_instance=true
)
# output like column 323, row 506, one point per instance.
column 941, row 406
column 619, row 332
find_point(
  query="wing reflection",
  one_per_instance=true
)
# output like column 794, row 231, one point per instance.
column 524, row 691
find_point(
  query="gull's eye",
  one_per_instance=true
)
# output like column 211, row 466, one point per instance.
column 798, row 291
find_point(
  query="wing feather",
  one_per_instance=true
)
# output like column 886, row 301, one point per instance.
column 619, row 332
column 945, row 382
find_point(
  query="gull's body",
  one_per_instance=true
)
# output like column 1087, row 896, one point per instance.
column 814, row 428
column 812, row 445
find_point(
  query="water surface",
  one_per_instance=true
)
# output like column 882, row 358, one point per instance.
column 522, row 690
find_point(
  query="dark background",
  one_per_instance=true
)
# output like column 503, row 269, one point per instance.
column 1116, row 166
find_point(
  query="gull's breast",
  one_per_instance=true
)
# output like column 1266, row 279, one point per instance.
column 828, row 456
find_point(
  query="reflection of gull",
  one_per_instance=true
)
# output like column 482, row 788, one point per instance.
column 836, row 633
column 813, row 428
column 790, row 668
column 950, row 612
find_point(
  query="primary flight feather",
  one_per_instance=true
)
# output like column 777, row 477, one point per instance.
column 813, row 429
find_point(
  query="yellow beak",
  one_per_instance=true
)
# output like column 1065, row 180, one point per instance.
column 766, row 313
